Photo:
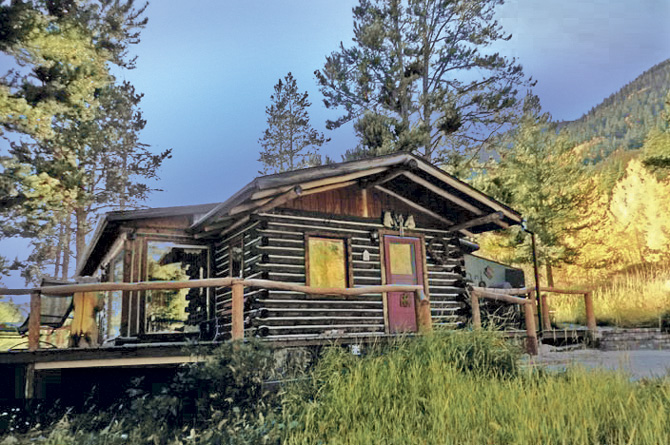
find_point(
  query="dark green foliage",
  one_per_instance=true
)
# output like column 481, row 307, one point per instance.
column 625, row 118
column 418, row 77
column 221, row 400
column 289, row 142
column 541, row 176
column 76, row 149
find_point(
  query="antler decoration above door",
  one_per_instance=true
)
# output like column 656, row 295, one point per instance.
column 399, row 222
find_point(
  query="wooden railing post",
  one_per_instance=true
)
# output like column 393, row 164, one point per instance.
column 425, row 321
column 476, row 313
column 531, row 334
column 237, row 312
column 34, row 321
column 544, row 307
column 590, row 314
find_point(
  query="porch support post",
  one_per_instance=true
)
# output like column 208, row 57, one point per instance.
column 238, row 311
column 531, row 334
column 546, row 322
column 536, row 273
column 590, row 314
column 34, row 321
column 425, row 322
column 476, row 313
column 29, row 388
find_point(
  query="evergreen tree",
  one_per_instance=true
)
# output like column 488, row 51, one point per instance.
column 419, row 69
column 289, row 142
column 540, row 175
column 656, row 152
column 75, row 151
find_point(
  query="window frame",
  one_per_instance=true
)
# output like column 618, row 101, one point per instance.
column 348, row 257
column 143, row 313
column 116, row 257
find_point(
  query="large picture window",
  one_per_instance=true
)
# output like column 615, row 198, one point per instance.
column 327, row 262
column 165, row 310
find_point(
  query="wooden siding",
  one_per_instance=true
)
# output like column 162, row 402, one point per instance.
column 223, row 296
column 274, row 248
column 350, row 201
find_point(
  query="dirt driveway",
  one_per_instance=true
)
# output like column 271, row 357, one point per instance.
column 639, row 363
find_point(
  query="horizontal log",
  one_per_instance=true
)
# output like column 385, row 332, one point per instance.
column 302, row 219
column 327, row 327
column 500, row 297
column 516, row 291
column 561, row 291
column 315, row 320
column 331, row 291
column 281, row 310
column 317, row 226
column 214, row 282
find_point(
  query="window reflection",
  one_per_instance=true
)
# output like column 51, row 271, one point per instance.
column 109, row 319
column 165, row 310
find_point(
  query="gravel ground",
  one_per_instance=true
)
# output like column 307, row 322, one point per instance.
column 639, row 363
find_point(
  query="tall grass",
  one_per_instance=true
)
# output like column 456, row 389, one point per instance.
column 465, row 388
column 446, row 388
column 634, row 299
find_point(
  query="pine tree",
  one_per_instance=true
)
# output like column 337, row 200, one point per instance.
column 87, row 158
column 540, row 175
column 418, row 67
column 289, row 142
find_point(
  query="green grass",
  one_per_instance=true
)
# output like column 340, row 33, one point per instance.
column 636, row 299
column 455, row 387
column 458, row 389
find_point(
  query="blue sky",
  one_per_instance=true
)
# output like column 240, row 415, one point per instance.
column 207, row 69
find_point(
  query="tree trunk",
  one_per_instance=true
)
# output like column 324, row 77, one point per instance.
column 80, row 236
column 427, row 109
column 550, row 275
column 124, row 186
column 59, row 248
column 67, row 238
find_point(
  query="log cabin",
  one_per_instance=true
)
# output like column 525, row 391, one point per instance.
column 392, row 220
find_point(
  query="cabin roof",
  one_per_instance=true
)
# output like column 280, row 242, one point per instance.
column 403, row 176
column 109, row 225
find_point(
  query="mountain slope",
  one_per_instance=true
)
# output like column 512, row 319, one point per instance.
column 624, row 119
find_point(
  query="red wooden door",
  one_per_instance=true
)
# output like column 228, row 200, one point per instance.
column 403, row 265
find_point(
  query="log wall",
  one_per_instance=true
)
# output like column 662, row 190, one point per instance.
column 274, row 249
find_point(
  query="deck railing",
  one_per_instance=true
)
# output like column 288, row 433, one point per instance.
column 528, row 303
column 507, row 296
column 237, row 308
column 237, row 285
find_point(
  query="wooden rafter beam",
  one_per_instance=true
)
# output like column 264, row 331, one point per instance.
column 326, row 188
column 420, row 208
column 460, row 186
column 307, row 185
column 262, row 205
column 496, row 216
column 448, row 196
column 280, row 200
column 390, row 175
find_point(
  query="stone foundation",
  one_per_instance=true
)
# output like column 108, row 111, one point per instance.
column 629, row 339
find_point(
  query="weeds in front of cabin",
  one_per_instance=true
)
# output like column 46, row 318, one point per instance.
column 636, row 299
column 466, row 388
column 456, row 387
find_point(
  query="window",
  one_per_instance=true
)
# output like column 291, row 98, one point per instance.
column 109, row 319
column 165, row 310
column 326, row 261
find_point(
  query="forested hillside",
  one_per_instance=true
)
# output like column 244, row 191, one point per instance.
column 596, row 192
column 624, row 119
